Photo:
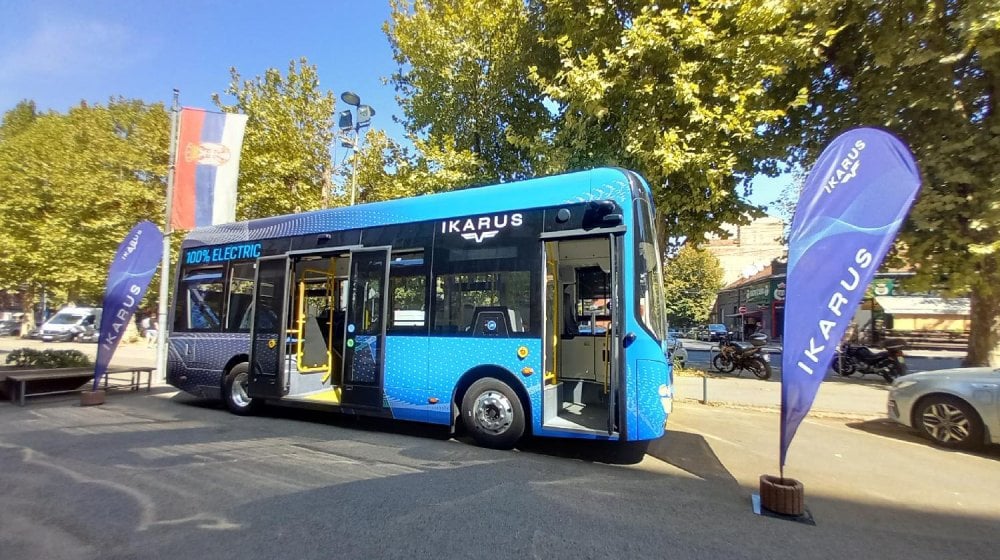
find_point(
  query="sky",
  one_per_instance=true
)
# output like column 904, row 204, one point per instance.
column 58, row 53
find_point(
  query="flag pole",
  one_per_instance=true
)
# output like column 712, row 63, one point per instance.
column 161, row 327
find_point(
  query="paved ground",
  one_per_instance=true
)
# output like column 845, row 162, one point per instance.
column 167, row 476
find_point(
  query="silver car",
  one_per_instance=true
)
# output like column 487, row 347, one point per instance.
column 955, row 408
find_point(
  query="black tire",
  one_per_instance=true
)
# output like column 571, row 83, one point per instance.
column 892, row 371
column 843, row 366
column 760, row 368
column 493, row 414
column 234, row 391
column 949, row 422
column 723, row 364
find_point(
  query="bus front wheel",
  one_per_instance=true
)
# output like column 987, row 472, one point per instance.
column 234, row 391
column 493, row 414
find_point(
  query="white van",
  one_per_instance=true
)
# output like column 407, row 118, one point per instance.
column 71, row 323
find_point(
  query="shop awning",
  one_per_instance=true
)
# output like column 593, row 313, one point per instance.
column 920, row 305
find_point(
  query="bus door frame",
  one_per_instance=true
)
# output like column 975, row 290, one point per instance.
column 368, row 394
column 269, row 384
column 615, row 236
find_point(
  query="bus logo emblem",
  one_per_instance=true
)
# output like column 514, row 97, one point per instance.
column 483, row 227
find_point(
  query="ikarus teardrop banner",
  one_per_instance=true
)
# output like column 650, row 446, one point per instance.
column 850, row 209
column 131, row 270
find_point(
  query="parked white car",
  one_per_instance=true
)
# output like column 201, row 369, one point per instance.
column 955, row 408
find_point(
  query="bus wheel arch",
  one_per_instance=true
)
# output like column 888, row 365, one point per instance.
column 507, row 379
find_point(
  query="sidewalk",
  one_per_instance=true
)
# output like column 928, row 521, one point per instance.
column 863, row 399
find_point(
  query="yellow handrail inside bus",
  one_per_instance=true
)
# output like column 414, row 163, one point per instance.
column 553, row 261
column 301, row 335
column 331, row 284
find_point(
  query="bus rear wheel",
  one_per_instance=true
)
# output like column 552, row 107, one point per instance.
column 234, row 391
column 493, row 414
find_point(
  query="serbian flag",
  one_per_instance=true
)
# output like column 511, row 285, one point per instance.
column 851, row 207
column 207, row 167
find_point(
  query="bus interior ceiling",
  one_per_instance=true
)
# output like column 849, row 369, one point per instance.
column 578, row 329
column 316, row 328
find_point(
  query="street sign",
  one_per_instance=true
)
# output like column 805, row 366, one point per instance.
column 743, row 310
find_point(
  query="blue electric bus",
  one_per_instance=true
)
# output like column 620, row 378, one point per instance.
column 534, row 306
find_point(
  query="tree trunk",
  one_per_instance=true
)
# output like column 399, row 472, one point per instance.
column 28, row 307
column 985, row 327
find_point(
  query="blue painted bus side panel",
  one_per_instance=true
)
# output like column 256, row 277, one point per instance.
column 406, row 384
column 650, row 377
column 453, row 357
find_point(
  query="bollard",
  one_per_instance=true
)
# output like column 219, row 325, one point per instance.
column 704, row 388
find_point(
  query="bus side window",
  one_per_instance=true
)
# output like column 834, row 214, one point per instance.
column 200, row 301
column 240, row 297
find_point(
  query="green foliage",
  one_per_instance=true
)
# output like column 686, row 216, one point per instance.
column 47, row 359
column 679, row 91
column 691, row 280
column 387, row 171
column 927, row 71
column 71, row 186
column 463, row 82
column 285, row 161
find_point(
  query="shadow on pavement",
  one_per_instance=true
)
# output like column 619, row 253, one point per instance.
column 887, row 428
column 691, row 453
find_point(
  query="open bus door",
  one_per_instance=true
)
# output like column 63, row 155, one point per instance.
column 364, row 339
column 267, row 335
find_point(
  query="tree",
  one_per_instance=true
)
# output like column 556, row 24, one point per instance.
column 679, row 91
column 387, row 170
column 285, row 161
column 71, row 186
column 463, row 83
column 930, row 72
column 692, row 279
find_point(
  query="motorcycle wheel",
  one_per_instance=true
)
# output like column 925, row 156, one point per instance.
column 723, row 364
column 760, row 368
column 843, row 366
column 892, row 371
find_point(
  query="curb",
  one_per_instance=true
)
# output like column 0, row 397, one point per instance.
column 834, row 415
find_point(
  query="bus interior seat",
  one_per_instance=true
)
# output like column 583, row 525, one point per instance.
column 492, row 321
column 314, row 344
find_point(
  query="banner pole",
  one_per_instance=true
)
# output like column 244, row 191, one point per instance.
column 161, row 327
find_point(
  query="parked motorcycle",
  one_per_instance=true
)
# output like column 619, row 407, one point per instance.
column 744, row 356
column 889, row 363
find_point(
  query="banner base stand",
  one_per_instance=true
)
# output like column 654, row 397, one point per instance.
column 92, row 398
column 806, row 518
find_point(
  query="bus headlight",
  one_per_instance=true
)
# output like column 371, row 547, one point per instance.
column 667, row 398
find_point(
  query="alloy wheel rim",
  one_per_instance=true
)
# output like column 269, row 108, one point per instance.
column 493, row 412
column 238, row 391
column 946, row 423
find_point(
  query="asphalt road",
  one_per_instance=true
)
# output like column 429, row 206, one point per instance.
column 168, row 476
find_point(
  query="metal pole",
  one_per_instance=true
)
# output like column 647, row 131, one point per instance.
column 704, row 388
column 161, row 326
column 354, row 170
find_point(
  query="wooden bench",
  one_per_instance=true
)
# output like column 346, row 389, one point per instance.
column 119, row 377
